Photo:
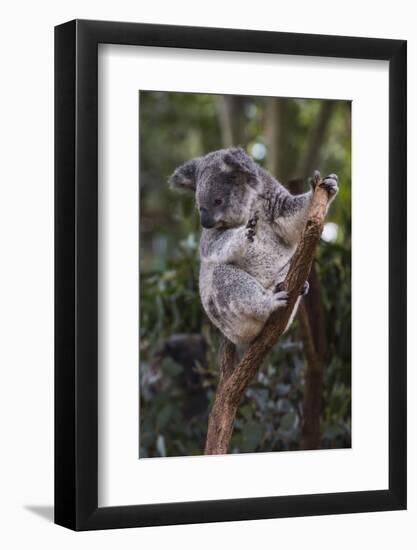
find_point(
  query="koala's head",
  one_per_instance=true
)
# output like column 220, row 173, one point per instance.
column 224, row 183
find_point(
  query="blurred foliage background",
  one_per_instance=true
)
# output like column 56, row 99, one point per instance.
column 178, row 346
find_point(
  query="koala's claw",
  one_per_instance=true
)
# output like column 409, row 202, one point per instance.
column 279, row 287
column 250, row 233
column 315, row 179
column 330, row 184
column 281, row 298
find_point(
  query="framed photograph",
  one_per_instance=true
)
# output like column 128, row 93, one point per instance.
column 230, row 255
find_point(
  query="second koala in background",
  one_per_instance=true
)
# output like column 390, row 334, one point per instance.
column 251, row 228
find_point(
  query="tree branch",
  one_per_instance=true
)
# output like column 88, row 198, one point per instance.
column 234, row 381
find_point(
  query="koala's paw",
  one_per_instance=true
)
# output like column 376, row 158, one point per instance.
column 280, row 299
column 250, row 235
column 279, row 287
column 251, row 228
column 330, row 183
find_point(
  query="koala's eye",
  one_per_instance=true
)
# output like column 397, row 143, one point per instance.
column 218, row 202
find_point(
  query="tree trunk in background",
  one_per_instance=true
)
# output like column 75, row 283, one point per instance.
column 313, row 387
column 315, row 311
column 308, row 162
column 311, row 314
column 273, row 134
column 232, row 120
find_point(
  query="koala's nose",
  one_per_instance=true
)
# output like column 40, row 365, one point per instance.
column 206, row 220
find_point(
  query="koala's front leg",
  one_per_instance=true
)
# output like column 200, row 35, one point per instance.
column 292, row 212
column 279, row 287
column 235, row 242
column 223, row 247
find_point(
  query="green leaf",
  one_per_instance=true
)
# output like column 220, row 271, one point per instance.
column 164, row 416
column 251, row 436
column 170, row 367
column 288, row 421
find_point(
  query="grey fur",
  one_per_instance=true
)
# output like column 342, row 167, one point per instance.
column 251, row 228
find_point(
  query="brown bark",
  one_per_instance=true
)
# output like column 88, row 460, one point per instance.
column 311, row 324
column 234, row 381
column 314, row 306
column 310, row 431
column 227, row 357
column 310, row 314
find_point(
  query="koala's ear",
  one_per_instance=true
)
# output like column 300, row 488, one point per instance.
column 184, row 176
column 236, row 159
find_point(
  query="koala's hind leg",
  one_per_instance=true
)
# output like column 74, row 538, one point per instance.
column 238, row 305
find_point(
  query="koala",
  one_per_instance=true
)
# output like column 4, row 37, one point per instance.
column 251, row 228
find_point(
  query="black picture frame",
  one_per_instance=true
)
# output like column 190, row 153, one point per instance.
column 76, row 272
